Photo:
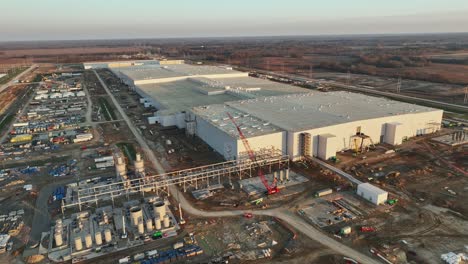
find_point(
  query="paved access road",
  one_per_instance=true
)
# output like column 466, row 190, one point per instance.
column 283, row 214
column 3, row 87
column 145, row 147
column 287, row 216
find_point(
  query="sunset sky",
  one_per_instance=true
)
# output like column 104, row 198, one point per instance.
column 102, row 19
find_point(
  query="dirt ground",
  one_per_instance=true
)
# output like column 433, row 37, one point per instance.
column 242, row 237
column 450, row 93
column 431, row 214
column 15, row 55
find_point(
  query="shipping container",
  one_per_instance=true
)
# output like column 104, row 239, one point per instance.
column 21, row 138
column 323, row 192
column 103, row 159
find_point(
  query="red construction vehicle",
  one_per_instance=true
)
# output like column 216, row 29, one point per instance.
column 248, row 215
column 271, row 189
column 367, row 229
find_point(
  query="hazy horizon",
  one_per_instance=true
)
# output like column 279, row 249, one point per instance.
column 25, row 20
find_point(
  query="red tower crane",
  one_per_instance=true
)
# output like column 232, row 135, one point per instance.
column 271, row 189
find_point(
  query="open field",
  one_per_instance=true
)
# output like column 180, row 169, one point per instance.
column 11, row 74
column 15, row 55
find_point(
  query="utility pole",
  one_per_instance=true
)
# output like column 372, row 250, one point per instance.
column 465, row 100
column 398, row 85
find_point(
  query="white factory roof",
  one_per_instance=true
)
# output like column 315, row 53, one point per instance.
column 181, row 95
column 146, row 72
column 267, row 88
column 251, row 126
column 105, row 64
column 178, row 96
column 369, row 188
column 299, row 112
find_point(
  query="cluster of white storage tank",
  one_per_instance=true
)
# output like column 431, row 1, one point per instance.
column 58, row 236
column 89, row 240
column 161, row 218
column 159, row 210
column 78, row 243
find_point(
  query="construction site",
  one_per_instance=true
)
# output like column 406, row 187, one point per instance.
column 205, row 164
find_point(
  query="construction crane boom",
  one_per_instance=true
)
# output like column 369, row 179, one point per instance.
column 270, row 189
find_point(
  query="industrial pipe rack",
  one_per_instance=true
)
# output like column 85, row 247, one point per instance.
column 242, row 168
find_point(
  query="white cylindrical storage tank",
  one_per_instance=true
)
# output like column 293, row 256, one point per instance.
column 159, row 209
column 58, row 239
column 141, row 228
column 108, row 235
column 149, row 225
column 98, row 238
column 139, row 164
column 78, row 243
column 105, row 218
column 88, row 241
column 166, row 221
column 135, row 215
column 287, row 174
column 121, row 169
column 58, row 228
column 157, row 223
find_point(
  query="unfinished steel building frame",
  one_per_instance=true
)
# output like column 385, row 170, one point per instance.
column 267, row 159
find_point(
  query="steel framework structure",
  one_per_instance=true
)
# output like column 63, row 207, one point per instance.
column 193, row 177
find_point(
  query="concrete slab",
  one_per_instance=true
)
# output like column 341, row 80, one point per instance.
column 333, row 209
column 202, row 194
column 254, row 186
column 451, row 140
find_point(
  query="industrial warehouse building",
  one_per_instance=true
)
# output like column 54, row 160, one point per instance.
column 314, row 124
column 173, row 88
column 271, row 115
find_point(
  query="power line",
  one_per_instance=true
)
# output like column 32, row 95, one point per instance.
column 465, row 100
column 398, row 85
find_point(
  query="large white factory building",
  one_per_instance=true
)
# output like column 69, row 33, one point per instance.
column 271, row 115
column 315, row 124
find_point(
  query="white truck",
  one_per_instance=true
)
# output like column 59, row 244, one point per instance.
column 124, row 260
column 151, row 253
column 139, row 256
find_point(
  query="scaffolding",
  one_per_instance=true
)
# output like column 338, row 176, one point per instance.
column 268, row 160
column 361, row 143
column 305, row 144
